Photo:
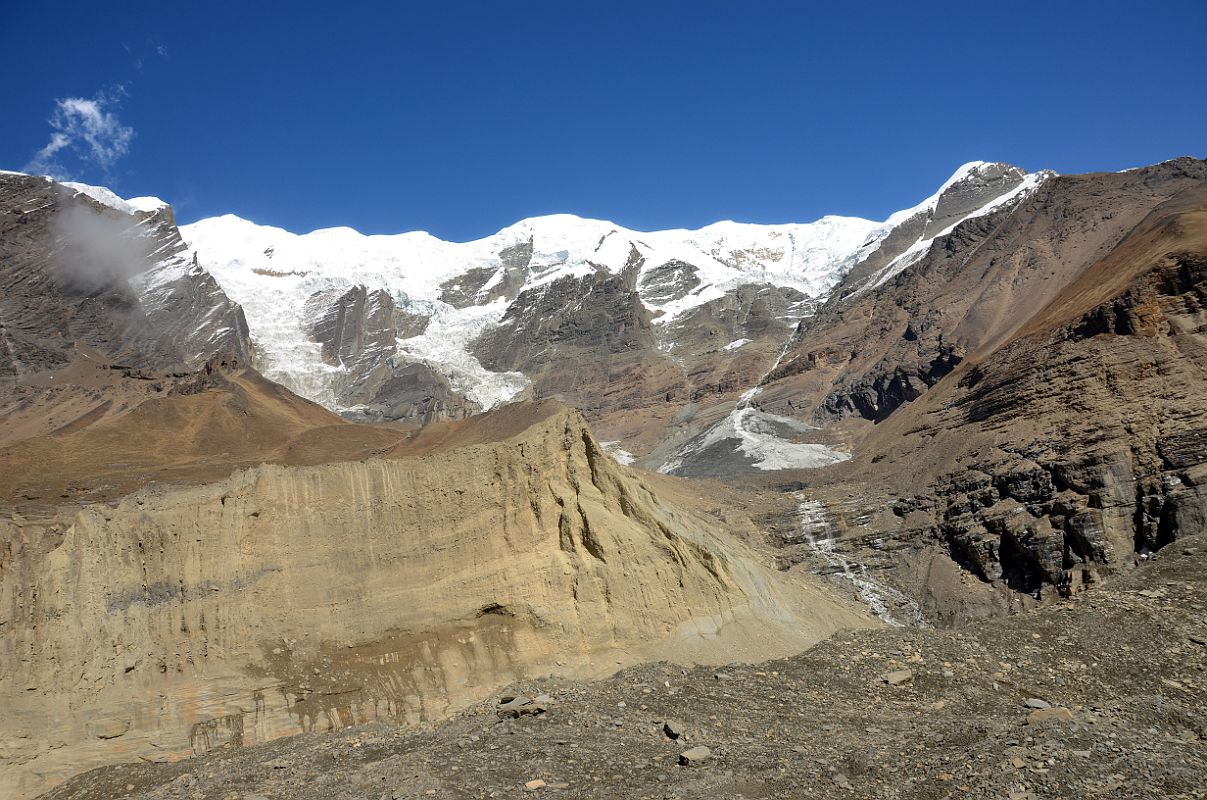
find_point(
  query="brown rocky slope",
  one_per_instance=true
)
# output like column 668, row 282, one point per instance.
column 1064, row 439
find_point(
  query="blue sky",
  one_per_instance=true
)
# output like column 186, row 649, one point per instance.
column 462, row 117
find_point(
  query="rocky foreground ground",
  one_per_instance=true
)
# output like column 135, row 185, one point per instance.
column 1102, row 696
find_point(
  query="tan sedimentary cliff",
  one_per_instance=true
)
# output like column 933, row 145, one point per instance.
column 283, row 599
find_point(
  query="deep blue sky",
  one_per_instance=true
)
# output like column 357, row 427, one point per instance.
column 462, row 117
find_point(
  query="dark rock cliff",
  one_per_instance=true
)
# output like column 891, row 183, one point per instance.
column 75, row 273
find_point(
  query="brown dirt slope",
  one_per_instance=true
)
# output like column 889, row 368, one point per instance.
column 99, row 433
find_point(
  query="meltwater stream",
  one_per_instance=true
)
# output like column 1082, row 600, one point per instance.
column 811, row 515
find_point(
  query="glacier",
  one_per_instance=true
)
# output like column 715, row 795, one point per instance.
column 272, row 273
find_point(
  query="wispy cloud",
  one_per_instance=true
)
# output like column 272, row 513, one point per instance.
column 87, row 129
column 139, row 53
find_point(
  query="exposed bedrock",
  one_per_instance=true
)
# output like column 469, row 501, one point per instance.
column 1068, row 442
column 76, row 274
column 1081, row 450
column 359, row 330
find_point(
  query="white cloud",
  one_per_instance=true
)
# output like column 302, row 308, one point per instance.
column 87, row 129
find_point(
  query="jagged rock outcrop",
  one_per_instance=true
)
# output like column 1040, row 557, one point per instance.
column 77, row 273
column 359, row 331
column 748, row 314
column 286, row 599
column 1114, row 403
column 353, row 326
column 589, row 342
column 592, row 342
column 596, row 314
column 669, row 281
column 486, row 284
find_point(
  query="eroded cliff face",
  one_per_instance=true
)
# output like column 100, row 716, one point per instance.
column 591, row 343
column 285, row 599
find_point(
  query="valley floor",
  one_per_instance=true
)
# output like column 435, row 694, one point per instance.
column 1123, row 666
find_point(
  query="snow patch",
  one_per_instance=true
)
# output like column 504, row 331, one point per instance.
column 760, row 437
column 146, row 204
column 108, row 198
column 621, row 455
column 444, row 346
column 101, row 195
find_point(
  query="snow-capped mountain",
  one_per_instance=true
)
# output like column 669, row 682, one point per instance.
column 410, row 326
column 659, row 337
column 463, row 289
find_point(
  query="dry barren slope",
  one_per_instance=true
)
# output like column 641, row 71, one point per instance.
column 94, row 432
